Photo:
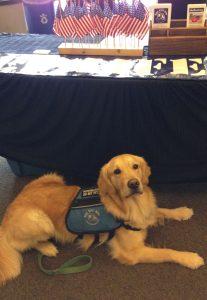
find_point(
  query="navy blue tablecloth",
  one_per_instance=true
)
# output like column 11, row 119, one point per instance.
column 76, row 124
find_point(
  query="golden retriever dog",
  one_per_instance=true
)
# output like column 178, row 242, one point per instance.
column 38, row 214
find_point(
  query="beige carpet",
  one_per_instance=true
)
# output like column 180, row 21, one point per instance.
column 108, row 280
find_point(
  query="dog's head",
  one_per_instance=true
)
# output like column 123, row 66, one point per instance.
column 124, row 175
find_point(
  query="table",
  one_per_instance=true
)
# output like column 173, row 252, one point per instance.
column 73, row 114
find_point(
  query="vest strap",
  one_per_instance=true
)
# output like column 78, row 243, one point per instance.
column 129, row 227
column 96, row 240
column 111, row 235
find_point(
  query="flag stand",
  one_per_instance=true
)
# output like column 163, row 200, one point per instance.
column 100, row 49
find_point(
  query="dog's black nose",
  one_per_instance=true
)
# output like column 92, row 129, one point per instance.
column 133, row 184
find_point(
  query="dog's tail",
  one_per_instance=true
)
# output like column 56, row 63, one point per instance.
column 10, row 260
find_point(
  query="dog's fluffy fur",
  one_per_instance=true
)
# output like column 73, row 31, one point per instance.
column 38, row 214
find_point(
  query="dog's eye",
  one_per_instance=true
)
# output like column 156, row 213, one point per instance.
column 135, row 166
column 117, row 171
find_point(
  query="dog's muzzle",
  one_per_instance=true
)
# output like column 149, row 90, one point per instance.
column 134, row 186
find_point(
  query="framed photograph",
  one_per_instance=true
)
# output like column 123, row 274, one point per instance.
column 161, row 15
column 196, row 15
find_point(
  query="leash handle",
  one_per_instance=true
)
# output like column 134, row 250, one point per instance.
column 71, row 266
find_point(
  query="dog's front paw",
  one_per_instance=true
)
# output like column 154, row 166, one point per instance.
column 47, row 249
column 183, row 213
column 192, row 260
column 51, row 250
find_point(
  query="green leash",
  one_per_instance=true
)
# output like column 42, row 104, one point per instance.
column 69, row 267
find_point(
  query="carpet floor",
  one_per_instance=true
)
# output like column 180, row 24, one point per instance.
column 109, row 280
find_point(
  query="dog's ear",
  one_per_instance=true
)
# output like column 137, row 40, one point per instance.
column 146, row 171
column 108, row 194
column 104, row 184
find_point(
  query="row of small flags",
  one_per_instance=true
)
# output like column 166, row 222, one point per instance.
column 80, row 18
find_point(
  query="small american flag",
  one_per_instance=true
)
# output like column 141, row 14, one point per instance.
column 85, row 23
column 124, row 17
column 57, row 26
column 107, row 12
column 113, row 25
column 142, row 16
column 70, row 20
column 97, row 16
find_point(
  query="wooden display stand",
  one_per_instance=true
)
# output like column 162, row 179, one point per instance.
column 104, row 48
column 178, row 40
